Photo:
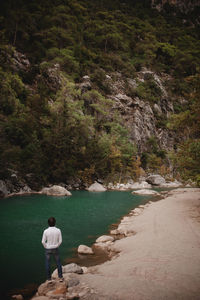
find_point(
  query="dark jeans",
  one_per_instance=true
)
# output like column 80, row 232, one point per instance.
column 55, row 254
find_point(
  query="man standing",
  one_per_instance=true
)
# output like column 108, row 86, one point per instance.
column 51, row 240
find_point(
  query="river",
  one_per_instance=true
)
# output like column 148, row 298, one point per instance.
column 82, row 218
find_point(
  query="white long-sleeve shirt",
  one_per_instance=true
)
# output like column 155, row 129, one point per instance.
column 52, row 238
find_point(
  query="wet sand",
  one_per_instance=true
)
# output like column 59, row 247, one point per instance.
column 161, row 261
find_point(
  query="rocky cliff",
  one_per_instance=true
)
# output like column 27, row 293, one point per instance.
column 144, row 114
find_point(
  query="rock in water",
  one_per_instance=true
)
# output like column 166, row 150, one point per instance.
column 96, row 187
column 83, row 249
column 104, row 239
column 55, row 190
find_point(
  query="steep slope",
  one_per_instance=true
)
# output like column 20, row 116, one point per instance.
column 95, row 89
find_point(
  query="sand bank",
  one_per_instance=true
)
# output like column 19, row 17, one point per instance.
column 161, row 261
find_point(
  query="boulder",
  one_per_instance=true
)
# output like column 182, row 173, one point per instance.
column 145, row 192
column 156, row 180
column 107, row 246
column 104, row 239
column 82, row 249
column 3, row 189
column 72, row 268
column 55, row 190
column 96, row 187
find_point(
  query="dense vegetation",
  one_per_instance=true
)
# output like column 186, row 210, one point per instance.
column 50, row 130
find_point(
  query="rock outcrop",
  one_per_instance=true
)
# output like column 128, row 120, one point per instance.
column 13, row 185
column 139, row 114
column 3, row 189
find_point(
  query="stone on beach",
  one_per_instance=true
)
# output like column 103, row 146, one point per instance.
column 107, row 246
column 55, row 190
column 96, row 187
column 145, row 192
column 104, row 239
column 83, row 249
column 114, row 232
column 72, row 268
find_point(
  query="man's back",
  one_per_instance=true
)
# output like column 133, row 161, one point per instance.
column 52, row 238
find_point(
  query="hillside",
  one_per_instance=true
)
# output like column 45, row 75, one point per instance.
column 98, row 90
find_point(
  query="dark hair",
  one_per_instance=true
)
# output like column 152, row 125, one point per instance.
column 51, row 221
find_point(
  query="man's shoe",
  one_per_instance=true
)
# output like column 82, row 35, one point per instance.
column 61, row 279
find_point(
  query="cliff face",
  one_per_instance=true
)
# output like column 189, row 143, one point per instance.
column 184, row 6
column 144, row 114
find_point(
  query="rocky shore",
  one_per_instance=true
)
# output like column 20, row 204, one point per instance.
column 16, row 186
column 158, row 258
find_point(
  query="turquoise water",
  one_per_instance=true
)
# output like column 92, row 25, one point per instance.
column 81, row 217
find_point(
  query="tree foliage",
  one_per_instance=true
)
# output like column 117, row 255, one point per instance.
column 47, row 126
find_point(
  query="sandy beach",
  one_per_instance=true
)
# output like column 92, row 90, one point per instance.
column 161, row 261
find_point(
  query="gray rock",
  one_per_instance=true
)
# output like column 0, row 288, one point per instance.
column 72, row 268
column 155, row 180
column 96, row 187
column 104, row 238
column 83, row 249
column 55, row 190
column 3, row 189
